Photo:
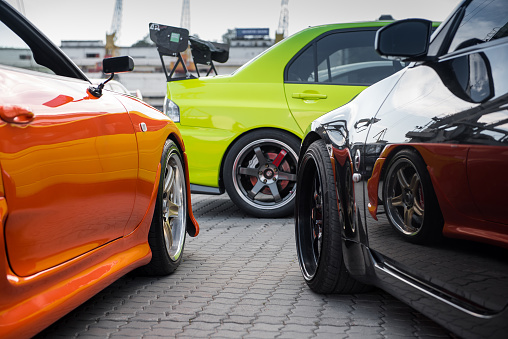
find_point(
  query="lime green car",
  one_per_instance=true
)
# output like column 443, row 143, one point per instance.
column 242, row 131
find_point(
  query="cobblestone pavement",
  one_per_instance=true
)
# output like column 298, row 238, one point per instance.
column 239, row 279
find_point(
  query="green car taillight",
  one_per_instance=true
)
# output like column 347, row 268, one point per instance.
column 171, row 110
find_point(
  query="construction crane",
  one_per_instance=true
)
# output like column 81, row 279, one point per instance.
column 185, row 23
column 114, row 31
column 185, row 19
column 282, row 30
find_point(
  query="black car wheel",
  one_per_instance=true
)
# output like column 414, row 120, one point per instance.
column 410, row 202
column 318, row 226
column 260, row 173
column 168, row 230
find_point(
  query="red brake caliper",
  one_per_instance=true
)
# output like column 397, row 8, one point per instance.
column 279, row 157
column 276, row 160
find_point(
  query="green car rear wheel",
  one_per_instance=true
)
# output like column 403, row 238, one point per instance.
column 260, row 173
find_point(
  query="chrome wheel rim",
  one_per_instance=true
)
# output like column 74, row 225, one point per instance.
column 264, row 174
column 404, row 199
column 174, row 206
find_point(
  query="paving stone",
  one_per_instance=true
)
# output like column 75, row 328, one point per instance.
column 364, row 332
column 240, row 278
column 227, row 334
column 302, row 320
column 260, row 334
column 332, row 331
column 329, row 335
column 208, row 318
column 238, row 319
column 265, row 327
column 194, row 333
column 169, row 324
column 270, row 319
column 299, row 328
column 124, row 334
column 294, row 335
column 136, row 332
column 162, row 333
column 334, row 321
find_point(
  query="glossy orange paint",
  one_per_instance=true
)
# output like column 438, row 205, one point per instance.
column 150, row 143
column 372, row 187
column 74, row 166
column 458, row 174
column 54, row 167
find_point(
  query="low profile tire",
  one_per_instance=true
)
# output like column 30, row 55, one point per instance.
column 318, row 226
column 260, row 173
column 168, row 230
column 410, row 201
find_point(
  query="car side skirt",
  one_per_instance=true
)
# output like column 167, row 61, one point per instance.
column 200, row 189
column 456, row 313
column 35, row 302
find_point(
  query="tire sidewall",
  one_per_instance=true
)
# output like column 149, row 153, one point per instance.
column 229, row 171
column 161, row 263
column 327, row 271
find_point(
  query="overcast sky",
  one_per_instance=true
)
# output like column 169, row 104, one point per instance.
column 210, row 19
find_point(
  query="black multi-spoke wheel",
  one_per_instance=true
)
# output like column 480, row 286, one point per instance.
column 410, row 201
column 168, row 229
column 260, row 173
column 318, row 225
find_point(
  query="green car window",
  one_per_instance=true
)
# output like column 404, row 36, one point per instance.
column 303, row 67
column 343, row 58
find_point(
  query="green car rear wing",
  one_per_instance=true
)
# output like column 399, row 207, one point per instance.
column 174, row 42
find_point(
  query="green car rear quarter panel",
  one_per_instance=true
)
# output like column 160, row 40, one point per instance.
column 215, row 111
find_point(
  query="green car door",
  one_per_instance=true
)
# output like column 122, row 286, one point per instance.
column 331, row 70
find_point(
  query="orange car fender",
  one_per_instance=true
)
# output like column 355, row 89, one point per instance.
column 192, row 224
column 372, row 187
column 151, row 126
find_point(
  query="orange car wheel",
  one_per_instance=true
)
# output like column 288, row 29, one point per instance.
column 167, row 232
column 410, row 202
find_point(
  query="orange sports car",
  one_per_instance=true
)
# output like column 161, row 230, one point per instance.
column 93, row 183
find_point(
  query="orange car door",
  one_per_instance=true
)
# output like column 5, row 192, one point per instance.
column 486, row 170
column 69, row 167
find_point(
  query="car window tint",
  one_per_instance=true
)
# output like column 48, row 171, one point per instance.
column 437, row 41
column 16, row 53
column 342, row 58
column 349, row 58
column 302, row 69
column 484, row 20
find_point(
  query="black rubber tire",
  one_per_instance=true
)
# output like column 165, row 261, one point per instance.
column 318, row 226
column 166, row 259
column 254, row 177
column 411, row 206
